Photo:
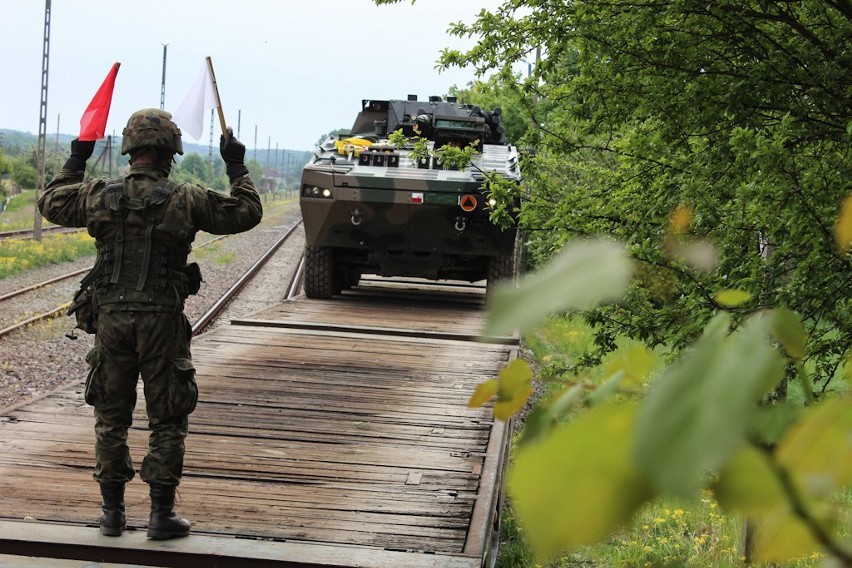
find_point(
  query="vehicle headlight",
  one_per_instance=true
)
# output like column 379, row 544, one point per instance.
column 316, row 192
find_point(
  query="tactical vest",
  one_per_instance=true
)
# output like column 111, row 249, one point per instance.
column 138, row 268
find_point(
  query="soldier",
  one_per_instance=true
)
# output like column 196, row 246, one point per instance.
column 133, row 300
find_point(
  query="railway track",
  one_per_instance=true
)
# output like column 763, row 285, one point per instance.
column 28, row 233
column 218, row 307
column 62, row 278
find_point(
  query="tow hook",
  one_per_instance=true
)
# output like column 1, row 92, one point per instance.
column 356, row 217
column 460, row 224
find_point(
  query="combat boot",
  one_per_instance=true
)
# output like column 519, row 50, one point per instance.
column 112, row 520
column 164, row 522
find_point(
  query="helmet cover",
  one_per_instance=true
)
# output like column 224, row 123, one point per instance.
column 151, row 127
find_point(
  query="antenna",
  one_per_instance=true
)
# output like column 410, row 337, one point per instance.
column 163, row 82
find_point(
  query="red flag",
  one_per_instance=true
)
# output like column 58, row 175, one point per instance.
column 93, row 123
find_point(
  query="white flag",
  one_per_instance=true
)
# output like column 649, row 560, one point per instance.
column 200, row 99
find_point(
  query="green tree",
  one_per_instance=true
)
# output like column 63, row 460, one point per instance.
column 712, row 139
column 192, row 168
column 255, row 170
column 335, row 132
column 741, row 110
column 22, row 173
column 501, row 91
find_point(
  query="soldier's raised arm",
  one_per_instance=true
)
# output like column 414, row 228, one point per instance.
column 64, row 201
column 221, row 214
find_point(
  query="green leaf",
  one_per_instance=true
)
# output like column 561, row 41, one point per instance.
column 749, row 485
column 582, row 276
column 514, row 379
column 781, row 536
column 483, row 393
column 565, row 400
column 513, row 389
column 579, row 484
column 771, row 421
column 505, row 409
column 817, row 455
column 843, row 226
column 818, row 449
column 638, row 363
column 607, row 389
column 537, row 425
column 542, row 419
column 733, row 298
column 787, row 328
column 700, row 410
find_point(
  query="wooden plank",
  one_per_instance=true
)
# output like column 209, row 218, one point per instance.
column 210, row 550
column 342, row 436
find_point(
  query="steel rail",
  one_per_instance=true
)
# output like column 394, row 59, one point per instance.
column 27, row 233
column 218, row 307
column 34, row 319
column 296, row 282
column 42, row 284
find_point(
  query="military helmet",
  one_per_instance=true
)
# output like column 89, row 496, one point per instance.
column 151, row 127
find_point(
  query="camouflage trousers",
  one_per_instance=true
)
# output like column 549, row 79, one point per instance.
column 154, row 345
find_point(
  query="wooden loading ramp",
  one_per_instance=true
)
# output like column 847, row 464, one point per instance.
column 328, row 433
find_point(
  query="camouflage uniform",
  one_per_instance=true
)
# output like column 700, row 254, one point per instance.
column 144, row 226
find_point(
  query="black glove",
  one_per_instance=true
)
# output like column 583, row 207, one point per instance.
column 80, row 152
column 233, row 152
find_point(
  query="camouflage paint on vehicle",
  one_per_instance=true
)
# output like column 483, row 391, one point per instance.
column 370, row 207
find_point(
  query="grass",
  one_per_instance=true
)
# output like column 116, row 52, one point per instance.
column 664, row 533
column 214, row 254
column 20, row 212
column 20, row 255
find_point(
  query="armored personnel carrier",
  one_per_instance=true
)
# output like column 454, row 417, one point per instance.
column 380, row 201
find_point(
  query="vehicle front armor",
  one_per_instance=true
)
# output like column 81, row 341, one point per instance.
column 373, row 206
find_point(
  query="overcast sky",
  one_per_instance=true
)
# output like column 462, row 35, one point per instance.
column 295, row 69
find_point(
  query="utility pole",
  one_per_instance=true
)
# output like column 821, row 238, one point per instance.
column 268, row 150
column 163, row 82
column 42, row 122
column 255, row 142
column 109, row 154
column 239, row 119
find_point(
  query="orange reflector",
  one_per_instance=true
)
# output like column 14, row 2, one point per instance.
column 467, row 203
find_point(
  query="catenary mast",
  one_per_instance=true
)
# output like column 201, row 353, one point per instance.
column 42, row 122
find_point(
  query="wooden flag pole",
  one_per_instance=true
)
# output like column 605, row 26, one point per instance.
column 218, row 100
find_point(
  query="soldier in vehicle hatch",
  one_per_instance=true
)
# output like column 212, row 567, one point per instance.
column 134, row 296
